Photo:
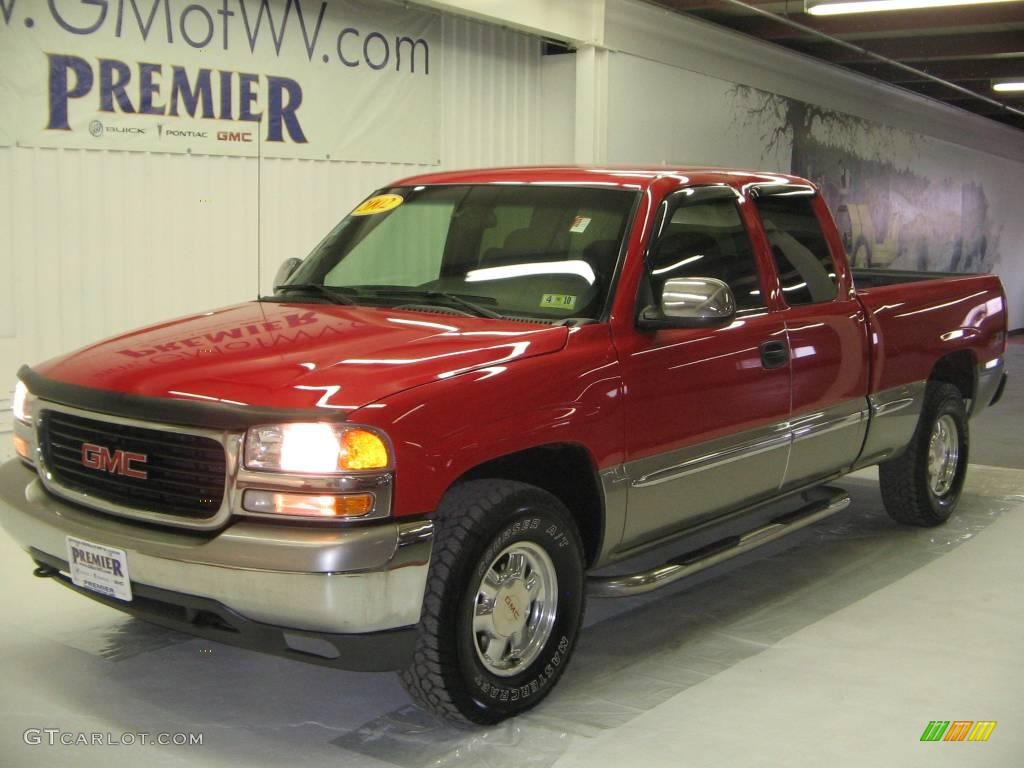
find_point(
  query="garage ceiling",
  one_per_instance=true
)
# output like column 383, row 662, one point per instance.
column 966, row 46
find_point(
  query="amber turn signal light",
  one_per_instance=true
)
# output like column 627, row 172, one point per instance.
column 347, row 505
column 21, row 446
column 362, row 449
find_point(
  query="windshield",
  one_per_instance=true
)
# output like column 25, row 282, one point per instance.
column 541, row 252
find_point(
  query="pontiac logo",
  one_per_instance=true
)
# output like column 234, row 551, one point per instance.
column 117, row 463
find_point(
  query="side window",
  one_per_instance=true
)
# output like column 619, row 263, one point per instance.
column 707, row 239
column 799, row 249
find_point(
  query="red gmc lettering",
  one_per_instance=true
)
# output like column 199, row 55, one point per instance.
column 119, row 462
column 244, row 137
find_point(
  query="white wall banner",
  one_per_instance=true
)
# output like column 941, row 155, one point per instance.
column 314, row 79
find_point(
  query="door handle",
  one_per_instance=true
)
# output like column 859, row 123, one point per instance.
column 774, row 354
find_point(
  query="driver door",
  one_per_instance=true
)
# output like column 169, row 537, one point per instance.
column 706, row 408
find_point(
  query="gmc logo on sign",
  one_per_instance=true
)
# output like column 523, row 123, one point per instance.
column 117, row 463
column 245, row 138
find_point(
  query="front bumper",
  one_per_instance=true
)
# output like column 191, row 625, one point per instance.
column 261, row 579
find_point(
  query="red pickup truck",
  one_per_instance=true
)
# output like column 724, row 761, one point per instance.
column 480, row 391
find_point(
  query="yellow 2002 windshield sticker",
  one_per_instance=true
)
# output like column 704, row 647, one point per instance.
column 558, row 301
column 378, row 204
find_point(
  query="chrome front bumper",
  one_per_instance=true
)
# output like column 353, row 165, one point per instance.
column 352, row 580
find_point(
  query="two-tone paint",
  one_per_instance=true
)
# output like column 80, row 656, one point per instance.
column 679, row 426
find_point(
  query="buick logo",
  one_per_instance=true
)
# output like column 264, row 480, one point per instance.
column 119, row 462
column 96, row 128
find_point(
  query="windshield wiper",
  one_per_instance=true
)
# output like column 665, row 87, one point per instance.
column 451, row 298
column 321, row 290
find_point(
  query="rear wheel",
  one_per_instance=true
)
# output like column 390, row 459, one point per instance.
column 503, row 605
column 922, row 486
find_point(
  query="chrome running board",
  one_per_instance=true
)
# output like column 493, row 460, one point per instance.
column 717, row 552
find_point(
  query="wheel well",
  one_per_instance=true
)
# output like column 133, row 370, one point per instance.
column 957, row 369
column 563, row 470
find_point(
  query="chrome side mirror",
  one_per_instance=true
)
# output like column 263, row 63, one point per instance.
column 691, row 302
column 285, row 271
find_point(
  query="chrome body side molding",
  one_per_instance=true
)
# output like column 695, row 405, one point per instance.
column 826, row 441
column 714, row 459
column 682, row 487
column 887, row 409
column 822, row 427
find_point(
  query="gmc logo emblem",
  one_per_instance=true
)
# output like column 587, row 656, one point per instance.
column 117, row 463
column 244, row 137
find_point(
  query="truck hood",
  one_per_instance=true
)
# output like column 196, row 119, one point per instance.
column 299, row 355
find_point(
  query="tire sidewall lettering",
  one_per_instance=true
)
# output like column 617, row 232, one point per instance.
column 522, row 691
column 541, row 529
column 508, row 535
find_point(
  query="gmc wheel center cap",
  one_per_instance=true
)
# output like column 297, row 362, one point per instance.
column 511, row 607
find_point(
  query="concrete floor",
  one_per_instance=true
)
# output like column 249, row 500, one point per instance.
column 836, row 646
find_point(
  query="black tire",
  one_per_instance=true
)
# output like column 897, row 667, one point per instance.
column 907, row 489
column 477, row 523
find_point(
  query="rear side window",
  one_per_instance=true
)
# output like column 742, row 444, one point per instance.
column 707, row 239
column 799, row 248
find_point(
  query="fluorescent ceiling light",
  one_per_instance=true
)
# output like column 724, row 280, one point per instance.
column 1010, row 85
column 836, row 7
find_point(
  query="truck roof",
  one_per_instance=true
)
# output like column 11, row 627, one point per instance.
column 626, row 176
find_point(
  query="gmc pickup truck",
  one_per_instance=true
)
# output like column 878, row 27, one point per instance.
column 485, row 395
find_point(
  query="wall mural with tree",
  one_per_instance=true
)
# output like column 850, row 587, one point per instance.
column 890, row 214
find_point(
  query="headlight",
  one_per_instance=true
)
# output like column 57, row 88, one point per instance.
column 20, row 404
column 315, row 448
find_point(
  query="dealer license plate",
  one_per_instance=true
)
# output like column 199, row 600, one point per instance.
column 99, row 569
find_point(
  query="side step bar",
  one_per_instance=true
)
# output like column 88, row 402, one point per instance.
column 719, row 551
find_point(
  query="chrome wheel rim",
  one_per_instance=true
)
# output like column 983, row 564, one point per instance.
column 943, row 455
column 514, row 609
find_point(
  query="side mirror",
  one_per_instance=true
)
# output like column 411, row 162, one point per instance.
column 691, row 302
column 286, row 270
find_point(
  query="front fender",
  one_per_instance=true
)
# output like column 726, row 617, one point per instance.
column 443, row 429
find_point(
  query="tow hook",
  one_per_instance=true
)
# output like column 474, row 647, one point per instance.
column 45, row 572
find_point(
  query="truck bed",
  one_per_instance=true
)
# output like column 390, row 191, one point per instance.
column 920, row 317
column 875, row 278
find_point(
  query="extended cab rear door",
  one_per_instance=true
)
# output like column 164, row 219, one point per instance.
column 706, row 408
column 826, row 330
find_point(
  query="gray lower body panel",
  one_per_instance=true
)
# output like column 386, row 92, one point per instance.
column 319, row 579
column 689, row 486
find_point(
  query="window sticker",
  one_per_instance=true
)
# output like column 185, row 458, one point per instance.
column 579, row 225
column 378, row 204
column 558, row 301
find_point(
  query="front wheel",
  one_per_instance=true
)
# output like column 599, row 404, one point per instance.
column 503, row 605
column 922, row 486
